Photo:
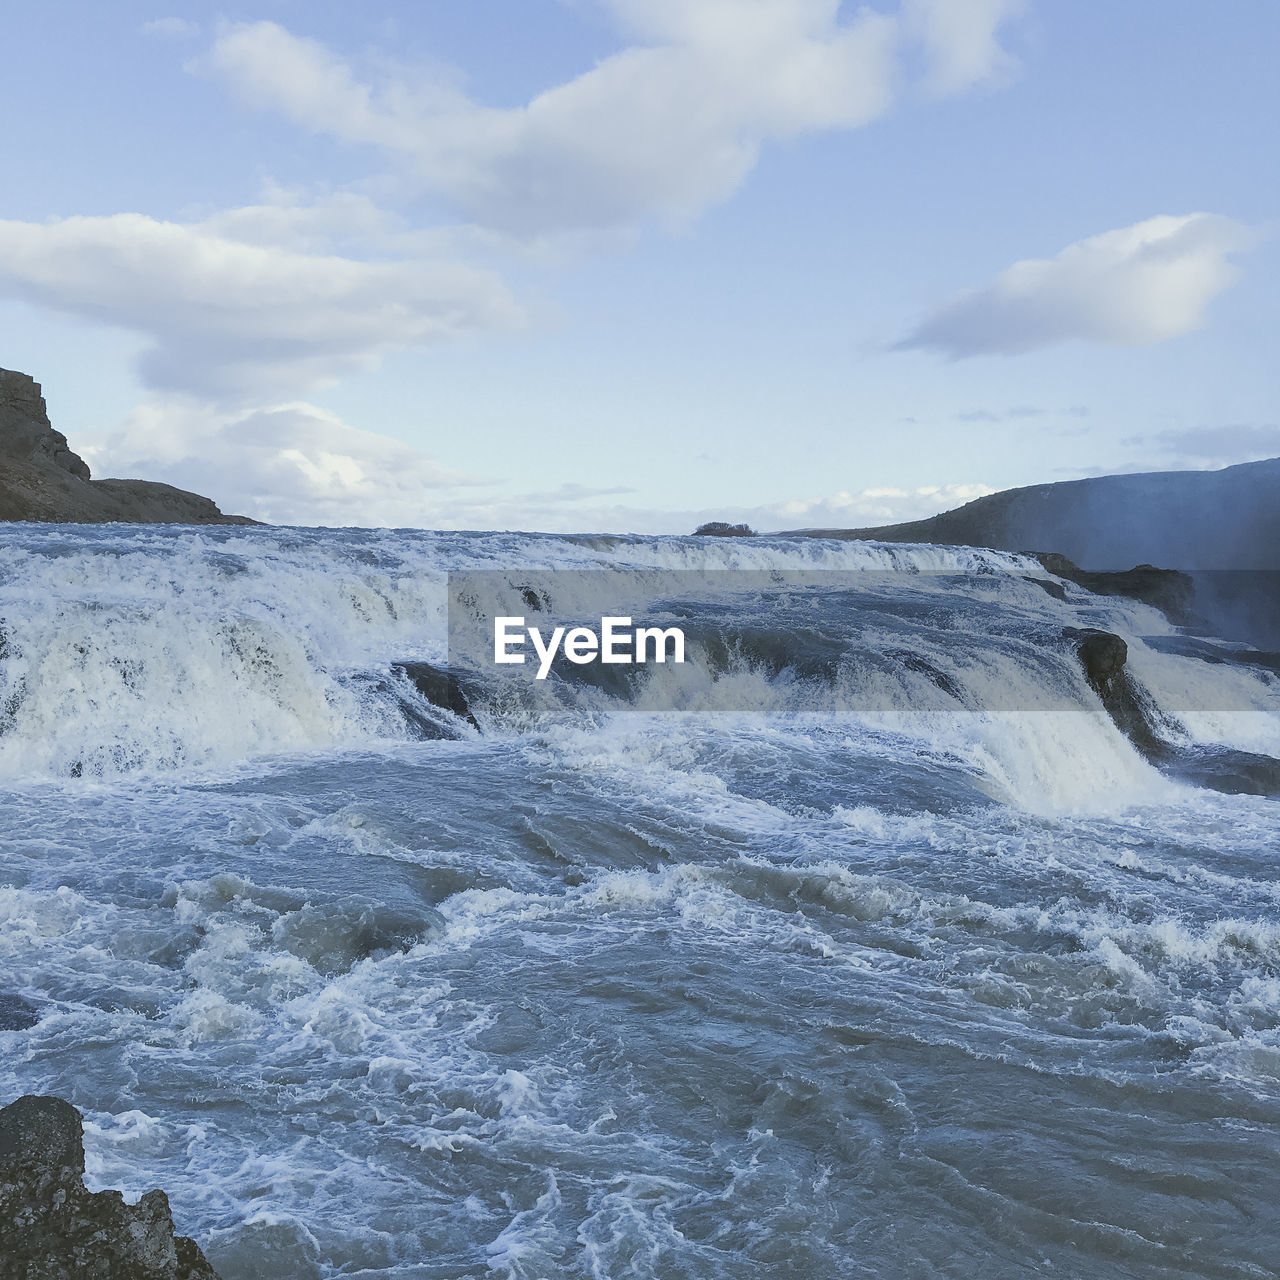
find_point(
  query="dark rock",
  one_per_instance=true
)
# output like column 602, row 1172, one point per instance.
column 440, row 688
column 1131, row 715
column 1102, row 655
column 1055, row 589
column 915, row 662
column 1233, row 772
column 41, row 479
column 1168, row 590
column 17, row 1013
column 54, row 1229
column 721, row 529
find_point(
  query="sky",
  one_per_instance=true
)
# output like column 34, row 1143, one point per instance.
column 628, row 265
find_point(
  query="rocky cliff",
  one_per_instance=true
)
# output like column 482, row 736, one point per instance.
column 42, row 479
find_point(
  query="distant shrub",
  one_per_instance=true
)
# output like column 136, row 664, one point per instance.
column 721, row 529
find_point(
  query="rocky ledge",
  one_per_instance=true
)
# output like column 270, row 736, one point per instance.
column 42, row 479
column 54, row 1229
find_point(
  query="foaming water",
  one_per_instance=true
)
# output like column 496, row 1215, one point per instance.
column 880, row 968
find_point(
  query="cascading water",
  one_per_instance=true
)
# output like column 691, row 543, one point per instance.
column 864, row 943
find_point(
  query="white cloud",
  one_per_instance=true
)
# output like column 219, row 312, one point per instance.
column 279, row 298
column 287, row 464
column 288, row 219
column 228, row 319
column 1131, row 287
column 667, row 127
column 960, row 41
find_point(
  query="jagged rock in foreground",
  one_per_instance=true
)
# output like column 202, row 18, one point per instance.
column 51, row 1228
column 42, row 479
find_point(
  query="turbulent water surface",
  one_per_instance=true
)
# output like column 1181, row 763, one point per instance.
column 791, row 981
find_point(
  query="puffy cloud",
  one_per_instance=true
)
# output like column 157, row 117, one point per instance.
column 287, row 464
column 1131, row 287
column 666, row 127
column 228, row 319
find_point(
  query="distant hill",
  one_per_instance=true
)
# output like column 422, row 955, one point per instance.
column 42, row 479
column 1193, row 520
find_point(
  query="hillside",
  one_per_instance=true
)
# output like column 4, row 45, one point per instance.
column 1192, row 520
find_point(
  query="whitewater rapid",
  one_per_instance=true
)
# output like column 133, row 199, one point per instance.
column 892, row 965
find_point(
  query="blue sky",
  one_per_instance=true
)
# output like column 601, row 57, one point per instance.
column 629, row 264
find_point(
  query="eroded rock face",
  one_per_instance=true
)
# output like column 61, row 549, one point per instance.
column 42, row 479
column 52, row 1228
column 27, row 429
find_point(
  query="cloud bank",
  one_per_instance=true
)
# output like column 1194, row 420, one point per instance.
column 1132, row 287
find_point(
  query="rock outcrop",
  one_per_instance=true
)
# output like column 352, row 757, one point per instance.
column 42, row 479
column 1169, row 590
column 52, row 1228
column 1102, row 655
